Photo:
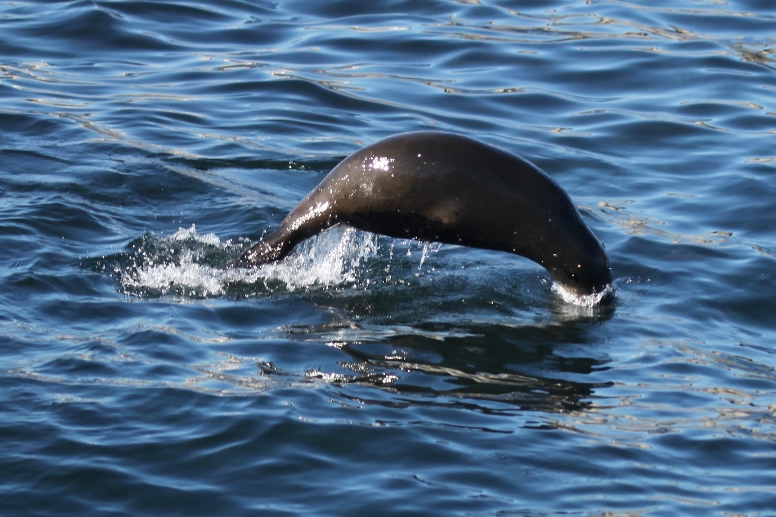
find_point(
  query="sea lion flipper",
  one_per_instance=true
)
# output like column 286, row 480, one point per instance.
column 272, row 248
column 257, row 255
column 300, row 224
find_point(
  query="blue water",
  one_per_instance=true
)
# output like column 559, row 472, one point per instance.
column 143, row 144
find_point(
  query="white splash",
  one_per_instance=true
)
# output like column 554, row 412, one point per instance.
column 191, row 233
column 582, row 300
column 193, row 279
column 331, row 258
column 178, row 264
column 175, row 265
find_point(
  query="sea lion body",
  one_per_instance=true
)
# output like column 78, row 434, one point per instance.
column 443, row 187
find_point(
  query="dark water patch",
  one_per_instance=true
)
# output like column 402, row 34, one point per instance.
column 70, row 26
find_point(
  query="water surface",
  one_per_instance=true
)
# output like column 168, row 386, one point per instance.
column 143, row 144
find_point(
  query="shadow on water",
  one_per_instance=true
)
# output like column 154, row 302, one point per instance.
column 468, row 338
column 542, row 367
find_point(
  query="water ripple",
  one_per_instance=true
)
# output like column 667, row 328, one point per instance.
column 145, row 144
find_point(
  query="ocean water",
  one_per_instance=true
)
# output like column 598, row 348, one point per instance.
column 144, row 144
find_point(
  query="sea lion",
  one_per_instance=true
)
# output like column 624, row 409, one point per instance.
column 435, row 186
